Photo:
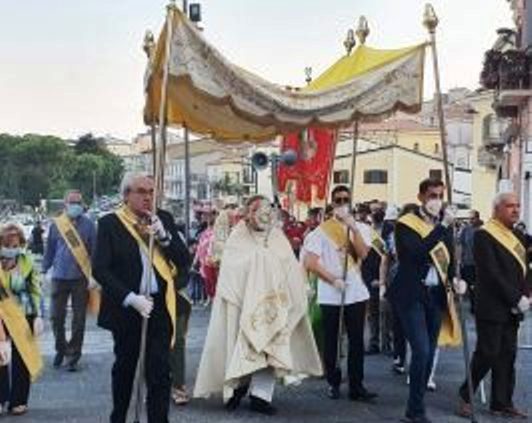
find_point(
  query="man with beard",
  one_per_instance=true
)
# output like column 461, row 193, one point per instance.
column 502, row 298
column 259, row 330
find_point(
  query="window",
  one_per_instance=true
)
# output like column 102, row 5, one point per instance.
column 341, row 177
column 375, row 177
column 436, row 148
column 436, row 174
column 416, row 146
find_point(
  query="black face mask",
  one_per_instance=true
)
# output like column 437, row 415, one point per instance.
column 378, row 216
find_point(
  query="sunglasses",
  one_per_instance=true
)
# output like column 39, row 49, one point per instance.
column 341, row 200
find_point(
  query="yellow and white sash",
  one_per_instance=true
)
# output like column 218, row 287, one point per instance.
column 450, row 332
column 337, row 233
column 77, row 247
column 19, row 330
column 166, row 269
column 377, row 243
column 439, row 254
column 508, row 240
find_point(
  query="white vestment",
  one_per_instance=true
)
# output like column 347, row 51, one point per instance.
column 259, row 316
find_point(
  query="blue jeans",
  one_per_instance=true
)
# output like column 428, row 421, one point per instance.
column 421, row 324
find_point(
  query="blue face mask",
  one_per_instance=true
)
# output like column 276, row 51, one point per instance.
column 74, row 210
column 10, row 253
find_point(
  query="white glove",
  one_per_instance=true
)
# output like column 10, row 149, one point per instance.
column 523, row 305
column 159, row 232
column 459, row 286
column 339, row 284
column 38, row 326
column 5, row 353
column 93, row 284
column 142, row 304
column 449, row 216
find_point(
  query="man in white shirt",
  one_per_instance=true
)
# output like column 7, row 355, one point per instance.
column 334, row 252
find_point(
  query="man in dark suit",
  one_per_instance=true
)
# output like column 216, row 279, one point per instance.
column 418, row 292
column 133, row 289
column 502, row 297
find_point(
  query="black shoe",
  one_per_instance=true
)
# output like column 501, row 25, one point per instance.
column 418, row 419
column 333, row 392
column 373, row 350
column 261, row 406
column 58, row 360
column 73, row 361
column 238, row 394
column 362, row 395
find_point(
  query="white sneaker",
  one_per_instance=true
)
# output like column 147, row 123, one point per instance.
column 431, row 385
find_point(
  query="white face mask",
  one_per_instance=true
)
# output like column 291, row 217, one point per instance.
column 341, row 211
column 433, row 207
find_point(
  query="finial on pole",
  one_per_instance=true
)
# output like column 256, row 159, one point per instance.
column 149, row 43
column 350, row 41
column 430, row 19
column 171, row 5
column 308, row 74
column 362, row 30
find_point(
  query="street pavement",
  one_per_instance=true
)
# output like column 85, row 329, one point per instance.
column 84, row 397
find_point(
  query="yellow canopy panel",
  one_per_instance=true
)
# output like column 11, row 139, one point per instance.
column 212, row 96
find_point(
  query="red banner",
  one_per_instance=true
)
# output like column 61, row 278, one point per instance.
column 315, row 148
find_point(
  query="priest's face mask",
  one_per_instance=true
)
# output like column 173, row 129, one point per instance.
column 261, row 216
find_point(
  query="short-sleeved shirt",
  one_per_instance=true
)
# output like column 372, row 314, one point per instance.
column 331, row 258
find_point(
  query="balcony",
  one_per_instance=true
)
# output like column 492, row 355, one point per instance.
column 489, row 157
column 508, row 73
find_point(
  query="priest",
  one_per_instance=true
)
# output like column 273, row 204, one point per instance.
column 259, row 330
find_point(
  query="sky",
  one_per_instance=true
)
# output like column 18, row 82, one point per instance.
column 72, row 67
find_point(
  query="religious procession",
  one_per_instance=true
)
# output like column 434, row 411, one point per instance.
column 367, row 271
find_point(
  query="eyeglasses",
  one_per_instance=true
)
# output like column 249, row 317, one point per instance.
column 143, row 192
column 341, row 200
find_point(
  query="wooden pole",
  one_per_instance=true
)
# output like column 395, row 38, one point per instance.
column 158, row 193
column 430, row 20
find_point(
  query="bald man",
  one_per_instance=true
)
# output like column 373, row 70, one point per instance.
column 502, row 298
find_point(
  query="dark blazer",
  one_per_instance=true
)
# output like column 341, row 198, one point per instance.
column 500, row 280
column 413, row 254
column 117, row 266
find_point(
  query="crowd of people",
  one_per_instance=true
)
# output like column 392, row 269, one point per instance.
column 282, row 294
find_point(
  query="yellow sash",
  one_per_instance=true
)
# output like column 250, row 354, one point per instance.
column 450, row 332
column 337, row 233
column 508, row 240
column 77, row 247
column 166, row 269
column 439, row 254
column 20, row 333
column 377, row 243
column 75, row 244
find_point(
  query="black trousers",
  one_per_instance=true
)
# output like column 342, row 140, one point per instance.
column 496, row 350
column 374, row 318
column 15, row 379
column 62, row 290
column 157, row 366
column 354, row 318
column 399, row 340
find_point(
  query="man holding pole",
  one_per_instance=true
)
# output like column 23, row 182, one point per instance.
column 502, row 297
column 424, row 242
column 139, row 284
column 334, row 253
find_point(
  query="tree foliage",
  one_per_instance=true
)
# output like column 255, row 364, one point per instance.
column 34, row 167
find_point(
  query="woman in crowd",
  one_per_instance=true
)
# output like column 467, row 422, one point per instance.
column 18, row 276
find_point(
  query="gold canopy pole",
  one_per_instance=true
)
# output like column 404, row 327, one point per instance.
column 362, row 33
column 158, row 152
column 431, row 21
column 149, row 48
